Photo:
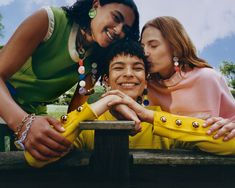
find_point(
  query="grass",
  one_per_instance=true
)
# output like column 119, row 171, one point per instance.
column 56, row 110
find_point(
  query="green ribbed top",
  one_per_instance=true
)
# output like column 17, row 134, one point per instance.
column 50, row 71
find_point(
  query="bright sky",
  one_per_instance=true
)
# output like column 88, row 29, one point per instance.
column 210, row 23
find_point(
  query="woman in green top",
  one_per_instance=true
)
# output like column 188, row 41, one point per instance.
column 50, row 52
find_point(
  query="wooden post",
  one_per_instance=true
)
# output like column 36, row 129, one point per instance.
column 110, row 159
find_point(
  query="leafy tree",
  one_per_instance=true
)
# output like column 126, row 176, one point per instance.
column 228, row 70
column 1, row 26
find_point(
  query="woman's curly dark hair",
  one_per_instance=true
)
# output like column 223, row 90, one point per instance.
column 78, row 13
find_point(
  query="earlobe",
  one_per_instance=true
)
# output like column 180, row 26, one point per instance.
column 95, row 4
column 106, row 79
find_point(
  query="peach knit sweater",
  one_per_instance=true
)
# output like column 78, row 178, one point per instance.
column 197, row 93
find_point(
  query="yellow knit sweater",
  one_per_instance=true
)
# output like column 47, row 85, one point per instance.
column 167, row 131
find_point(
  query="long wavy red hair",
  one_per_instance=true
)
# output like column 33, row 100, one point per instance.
column 182, row 46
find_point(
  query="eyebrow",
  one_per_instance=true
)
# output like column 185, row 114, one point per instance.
column 120, row 15
column 122, row 63
column 122, row 19
column 138, row 63
column 150, row 41
column 117, row 63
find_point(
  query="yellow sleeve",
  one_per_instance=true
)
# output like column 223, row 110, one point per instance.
column 70, row 123
column 85, row 140
column 190, row 130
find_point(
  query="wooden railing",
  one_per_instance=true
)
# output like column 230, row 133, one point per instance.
column 111, row 164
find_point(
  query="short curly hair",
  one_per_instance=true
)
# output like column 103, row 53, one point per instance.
column 124, row 47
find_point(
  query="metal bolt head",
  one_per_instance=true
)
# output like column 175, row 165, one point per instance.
column 79, row 109
column 195, row 124
column 163, row 119
column 63, row 118
column 178, row 122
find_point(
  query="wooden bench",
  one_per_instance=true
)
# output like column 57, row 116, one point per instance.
column 113, row 165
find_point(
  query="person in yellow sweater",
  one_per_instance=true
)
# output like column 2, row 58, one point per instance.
column 154, row 128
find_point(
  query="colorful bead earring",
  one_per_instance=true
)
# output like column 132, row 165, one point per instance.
column 139, row 100
column 92, row 13
column 145, row 97
column 176, row 64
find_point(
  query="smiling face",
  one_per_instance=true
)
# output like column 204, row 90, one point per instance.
column 127, row 74
column 111, row 22
column 158, row 52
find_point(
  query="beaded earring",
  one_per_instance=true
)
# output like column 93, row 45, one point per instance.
column 143, row 100
column 92, row 13
column 176, row 64
column 145, row 97
column 139, row 100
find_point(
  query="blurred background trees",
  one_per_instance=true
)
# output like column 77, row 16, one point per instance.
column 1, row 26
column 227, row 68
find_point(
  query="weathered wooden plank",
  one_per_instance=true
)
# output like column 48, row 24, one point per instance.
column 150, row 168
column 15, row 160
column 179, row 157
column 12, row 160
column 107, row 125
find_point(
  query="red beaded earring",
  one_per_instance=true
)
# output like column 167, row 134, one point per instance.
column 176, row 64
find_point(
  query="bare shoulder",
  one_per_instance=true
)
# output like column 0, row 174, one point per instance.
column 36, row 23
column 23, row 42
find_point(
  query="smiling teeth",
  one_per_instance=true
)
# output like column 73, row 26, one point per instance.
column 109, row 35
column 127, row 84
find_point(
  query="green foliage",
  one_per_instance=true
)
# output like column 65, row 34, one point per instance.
column 66, row 97
column 233, row 93
column 228, row 70
column 233, row 83
column 1, row 26
column 59, row 106
column 99, row 90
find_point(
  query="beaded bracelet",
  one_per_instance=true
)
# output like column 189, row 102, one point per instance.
column 20, row 126
column 19, row 143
